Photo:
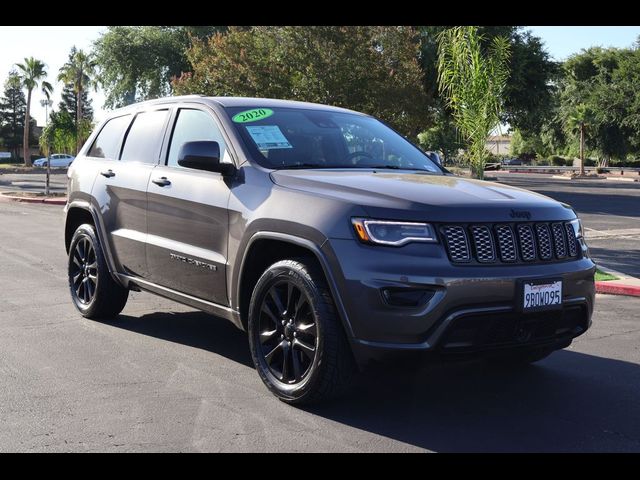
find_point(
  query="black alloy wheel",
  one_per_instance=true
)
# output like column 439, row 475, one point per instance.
column 93, row 289
column 297, row 341
column 84, row 270
column 288, row 332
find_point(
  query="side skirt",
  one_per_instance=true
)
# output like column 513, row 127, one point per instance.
column 213, row 308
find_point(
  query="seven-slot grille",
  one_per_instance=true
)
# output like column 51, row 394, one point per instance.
column 510, row 243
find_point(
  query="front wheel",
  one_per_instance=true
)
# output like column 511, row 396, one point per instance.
column 93, row 291
column 297, row 343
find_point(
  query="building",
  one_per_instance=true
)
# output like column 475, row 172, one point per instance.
column 499, row 144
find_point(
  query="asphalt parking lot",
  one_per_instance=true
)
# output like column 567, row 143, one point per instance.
column 163, row 377
column 610, row 212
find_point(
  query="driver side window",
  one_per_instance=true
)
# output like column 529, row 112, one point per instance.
column 191, row 126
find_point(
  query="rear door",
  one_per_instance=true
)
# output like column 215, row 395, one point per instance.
column 187, row 215
column 121, row 189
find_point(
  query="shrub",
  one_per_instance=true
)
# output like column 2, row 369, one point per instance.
column 589, row 162
column 557, row 161
column 543, row 162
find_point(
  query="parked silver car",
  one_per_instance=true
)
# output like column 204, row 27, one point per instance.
column 57, row 160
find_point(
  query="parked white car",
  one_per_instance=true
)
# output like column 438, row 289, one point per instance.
column 57, row 160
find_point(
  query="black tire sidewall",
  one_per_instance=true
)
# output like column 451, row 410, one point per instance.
column 301, row 278
column 104, row 282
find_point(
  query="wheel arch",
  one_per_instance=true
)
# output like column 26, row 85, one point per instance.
column 79, row 212
column 266, row 248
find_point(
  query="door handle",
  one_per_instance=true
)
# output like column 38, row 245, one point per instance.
column 109, row 173
column 162, row 181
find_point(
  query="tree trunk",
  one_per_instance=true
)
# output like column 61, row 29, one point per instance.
column 78, row 118
column 581, row 149
column 46, row 185
column 25, row 139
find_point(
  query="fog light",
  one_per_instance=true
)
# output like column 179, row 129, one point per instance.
column 406, row 297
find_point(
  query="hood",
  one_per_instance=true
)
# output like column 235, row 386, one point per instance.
column 418, row 196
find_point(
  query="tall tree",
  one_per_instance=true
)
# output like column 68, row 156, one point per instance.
column 577, row 122
column 32, row 74
column 472, row 83
column 79, row 71
column 13, row 106
column 532, row 74
column 69, row 103
column 371, row 69
column 603, row 83
column 138, row 63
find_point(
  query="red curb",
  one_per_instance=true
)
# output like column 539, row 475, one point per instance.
column 55, row 201
column 614, row 288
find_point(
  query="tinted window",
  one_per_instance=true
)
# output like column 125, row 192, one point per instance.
column 145, row 135
column 301, row 138
column 107, row 143
column 192, row 126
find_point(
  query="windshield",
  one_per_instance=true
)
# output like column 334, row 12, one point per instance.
column 285, row 138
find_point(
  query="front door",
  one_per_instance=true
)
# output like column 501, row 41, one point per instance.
column 187, row 215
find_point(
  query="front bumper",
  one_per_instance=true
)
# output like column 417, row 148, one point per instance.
column 479, row 302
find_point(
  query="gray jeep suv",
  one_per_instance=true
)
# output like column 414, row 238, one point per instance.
column 327, row 236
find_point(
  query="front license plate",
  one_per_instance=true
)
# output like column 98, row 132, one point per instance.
column 541, row 295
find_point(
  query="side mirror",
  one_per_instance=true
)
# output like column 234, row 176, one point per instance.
column 203, row 155
column 435, row 157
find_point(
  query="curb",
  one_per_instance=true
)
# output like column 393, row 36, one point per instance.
column 50, row 201
column 615, row 288
column 623, row 179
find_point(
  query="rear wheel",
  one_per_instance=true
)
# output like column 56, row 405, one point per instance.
column 297, row 342
column 93, row 291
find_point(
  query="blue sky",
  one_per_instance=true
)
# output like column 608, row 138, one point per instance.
column 561, row 42
column 52, row 45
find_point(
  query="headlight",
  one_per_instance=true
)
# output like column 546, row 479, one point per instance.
column 384, row 232
column 577, row 227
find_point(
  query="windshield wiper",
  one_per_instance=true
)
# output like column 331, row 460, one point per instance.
column 394, row 167
column 308, row 165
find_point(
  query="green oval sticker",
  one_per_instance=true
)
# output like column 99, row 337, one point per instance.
column 252, row 115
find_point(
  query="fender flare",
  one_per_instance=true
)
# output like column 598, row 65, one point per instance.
column 322, row 260
column 99, row 227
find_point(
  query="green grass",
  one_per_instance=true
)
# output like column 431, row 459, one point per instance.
column 604, row 277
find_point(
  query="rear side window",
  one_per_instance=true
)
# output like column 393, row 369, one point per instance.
column 144, row 138
column 107, row 143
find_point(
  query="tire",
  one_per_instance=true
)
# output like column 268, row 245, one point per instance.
column 310, row 311
column 100, row 297
column 520, row 358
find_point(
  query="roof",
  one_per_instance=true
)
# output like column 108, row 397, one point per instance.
column 249, row 102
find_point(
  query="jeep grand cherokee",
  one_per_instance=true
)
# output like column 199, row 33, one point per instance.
column 327, row 236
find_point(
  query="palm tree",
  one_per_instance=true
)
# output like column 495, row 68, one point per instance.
column 577, row 121
column 32, row 73
column 472, row 80
column 79, row 71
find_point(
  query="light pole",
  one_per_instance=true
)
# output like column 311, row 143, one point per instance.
column 46, row 103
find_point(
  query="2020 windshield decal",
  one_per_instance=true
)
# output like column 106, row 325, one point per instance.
column 252, row 115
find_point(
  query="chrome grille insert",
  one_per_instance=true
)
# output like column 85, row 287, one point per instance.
column 457, row 243
column 483, row 243
column 527, row 243
column 506, row 243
